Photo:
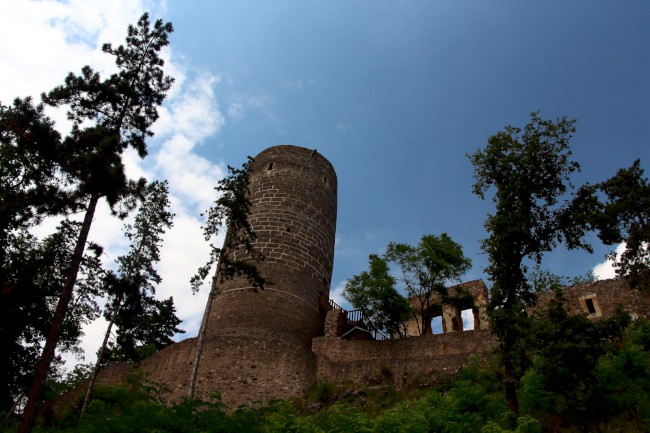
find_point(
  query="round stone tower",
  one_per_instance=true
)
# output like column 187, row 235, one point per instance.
column 258, row 341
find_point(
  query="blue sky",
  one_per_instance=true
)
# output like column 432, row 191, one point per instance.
column 394, row 94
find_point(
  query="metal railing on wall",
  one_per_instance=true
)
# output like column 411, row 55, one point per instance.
column 357, row 318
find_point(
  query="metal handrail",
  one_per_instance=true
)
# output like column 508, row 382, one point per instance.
column 356, row 316
column 335, row 306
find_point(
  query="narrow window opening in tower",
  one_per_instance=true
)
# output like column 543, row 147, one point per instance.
column 270, row 167
column 590, row 306
column 325, row 180
column 289, row 229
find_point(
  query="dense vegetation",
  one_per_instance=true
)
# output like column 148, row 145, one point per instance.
column 607, row 391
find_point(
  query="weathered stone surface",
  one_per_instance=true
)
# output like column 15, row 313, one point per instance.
column 405, row 359
column 605, row 296
column 259, row 341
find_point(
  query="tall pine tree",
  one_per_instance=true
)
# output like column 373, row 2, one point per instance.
column 121, row 109
column 35, row 271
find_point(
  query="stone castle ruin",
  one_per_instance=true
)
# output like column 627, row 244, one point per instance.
column 276, row 342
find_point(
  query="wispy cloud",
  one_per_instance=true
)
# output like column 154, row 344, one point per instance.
column 241, row 103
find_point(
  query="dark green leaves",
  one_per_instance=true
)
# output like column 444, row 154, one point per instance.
column 231, row 209
column 426, row 270
column 374, row 293
column 529, row 171
column 29, row 148
column 145, row 324
column 125, row 103
column 625, row 217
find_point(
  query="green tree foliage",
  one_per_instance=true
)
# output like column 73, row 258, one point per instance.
column 29, row 148
column 566, row 348
column 374, row 293
column 147, row 328
column 142, row 320
column 527, row 171
column 427, row 270
column 120, row 110
column 625, row 217
column 230, row 210
column 28, row 189
column 623, row 386
column 35, row 271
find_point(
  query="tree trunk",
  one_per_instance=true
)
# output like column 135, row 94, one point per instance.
column 100, row 358
column 38, row 382
column 201, row 338
column 13, row 408
column 510, row 384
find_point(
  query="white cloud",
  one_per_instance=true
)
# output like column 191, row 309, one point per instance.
column 606, row 270
column 241, row 103
column 50, row 38
column 192, row 110
column 185, row 250
column 93, row 337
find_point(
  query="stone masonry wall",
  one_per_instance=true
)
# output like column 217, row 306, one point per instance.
column 258, row 341
column 404, row 360
column 367, row 362
column 468, row 295
column 604, row 296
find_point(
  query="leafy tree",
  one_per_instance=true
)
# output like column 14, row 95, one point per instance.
column 625, row 217
column 230, row 209
column 427, row 270
column 566, row 349
column 374, row 293
column 121, row 110
column 237, row 256
column 624, row 381
column 148, row 328
column 143, row 322
column 35, row 271
column 529, row 173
